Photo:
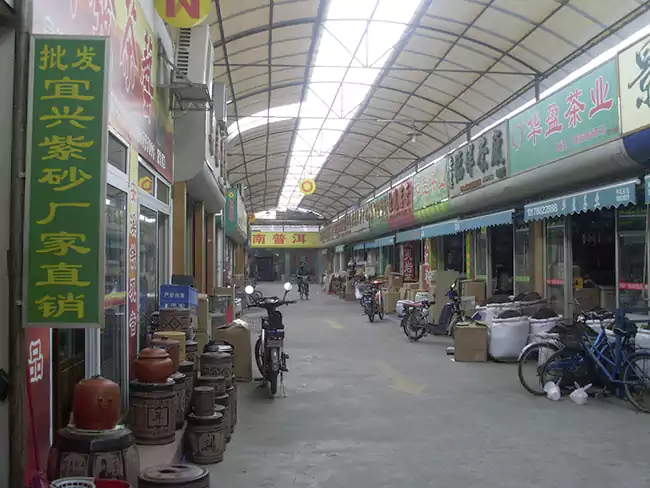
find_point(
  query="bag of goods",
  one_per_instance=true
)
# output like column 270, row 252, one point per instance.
column 399, row 308
column 541, row 322
column 421, row 295
column 530, row 303
column 508, row 336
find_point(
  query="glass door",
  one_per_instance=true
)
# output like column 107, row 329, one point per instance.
column 556, row 264
column 524, row 259
column 114, row 353
column 632, row 266
column 481, row 254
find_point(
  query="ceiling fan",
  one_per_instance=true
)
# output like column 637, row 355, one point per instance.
column 413, row 133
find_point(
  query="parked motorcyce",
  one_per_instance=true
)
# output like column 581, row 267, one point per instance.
column 415, row 322
column 269, row 348
column 372, row 301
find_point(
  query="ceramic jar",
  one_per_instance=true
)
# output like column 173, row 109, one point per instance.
column 171, row 346
column 153, row 365
column 96, row 404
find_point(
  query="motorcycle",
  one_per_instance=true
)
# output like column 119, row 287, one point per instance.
column 303, row 287
column 415, row 322
column 269, row 348
column 372, row 301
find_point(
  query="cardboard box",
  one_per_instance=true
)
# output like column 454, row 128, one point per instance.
column 179, row 319
column 395, row 282
column 239, row 335
column 202, row 338
column 403, row 293
column 204, row 313
column 471, row 342
column 476, row 289
column 390, row 301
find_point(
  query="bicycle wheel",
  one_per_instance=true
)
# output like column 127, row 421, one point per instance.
column 636, row 378
column 411, row 327
column 381, row 308
column 567, row 367
column 531, row 364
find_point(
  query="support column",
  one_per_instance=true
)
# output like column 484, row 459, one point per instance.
column 179, row 231
column 221, row 244
column 211, row 251
column 539, row 272
column 199, row 246
column 287, row 266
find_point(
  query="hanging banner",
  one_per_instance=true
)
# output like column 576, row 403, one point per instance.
column 268, row 240
column 66, row 167
column 581, row 116
column 400, row 205
column 430, row 186
column 408, row 261
column 133, row 284
column 633, row 73
column 138, row 110
column 427, row 262
column 479, row 163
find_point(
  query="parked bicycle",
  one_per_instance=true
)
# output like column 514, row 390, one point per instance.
column 617, row 367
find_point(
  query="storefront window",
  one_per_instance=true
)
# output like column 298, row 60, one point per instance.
column 163, row 248
column 454, row 253
column 117, row 153
column 162, row 192
column 148, row 264
column 481, row 255
column 113, row 336
column 146, row 180
column 632, row 275
column 524, row 260
column 555, row 280
column 501, row 259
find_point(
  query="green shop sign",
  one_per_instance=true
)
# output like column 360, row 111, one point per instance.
column 66, row 166
column 578, row 117
column 430, row 186
column 236, row 217
column 379, row 209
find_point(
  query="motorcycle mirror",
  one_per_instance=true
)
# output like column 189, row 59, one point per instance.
column 249, row 290
column 287, row 286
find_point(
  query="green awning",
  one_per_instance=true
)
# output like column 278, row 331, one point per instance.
column 409, row 235
column 446, row 228
column 610, row 196
column 385, row 241
column 497, row 218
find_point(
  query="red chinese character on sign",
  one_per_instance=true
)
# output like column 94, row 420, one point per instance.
column 35, row 361
column 145, row 76
column 535, row 126
column 133, row 290
column 553, row 123
column 299, row 238
column 575, row 108
column 133, row 323
column 599, row 97
column 259, row 239
column 104, row 12
column 278, row 239
column 129, row 58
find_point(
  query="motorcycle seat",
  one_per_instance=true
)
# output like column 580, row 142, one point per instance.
column 410, row 303
column 377, row 282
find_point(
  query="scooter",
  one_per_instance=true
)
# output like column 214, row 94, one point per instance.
column 372, row 301
column 415, row 322
column 269, row 349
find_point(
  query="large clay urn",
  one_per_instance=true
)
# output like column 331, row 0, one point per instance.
column 96, row 404
column 172, row 346
column 153, row 365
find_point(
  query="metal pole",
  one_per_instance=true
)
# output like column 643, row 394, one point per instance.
column 18, row 349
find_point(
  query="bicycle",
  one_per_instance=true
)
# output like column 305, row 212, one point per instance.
column 593, row 360
column 534, row 356
column 303, row 287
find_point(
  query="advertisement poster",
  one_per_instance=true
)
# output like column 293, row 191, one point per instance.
column 578, row 117
column 64, row 271
column 138, row 110
column 427, row 262
column 400, row 204
column 132, row 268
column 408, row 263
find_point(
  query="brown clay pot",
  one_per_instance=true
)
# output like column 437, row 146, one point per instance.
column 171, row 346
column 96, row 404
column 153, row 365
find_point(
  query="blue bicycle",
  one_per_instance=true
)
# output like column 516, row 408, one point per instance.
column 615, row 366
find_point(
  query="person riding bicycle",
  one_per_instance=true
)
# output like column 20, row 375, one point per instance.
column 302, row 276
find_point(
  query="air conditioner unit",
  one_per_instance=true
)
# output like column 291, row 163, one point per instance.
column 193, row 60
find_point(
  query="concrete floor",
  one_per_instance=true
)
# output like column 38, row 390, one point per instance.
column 366, row 408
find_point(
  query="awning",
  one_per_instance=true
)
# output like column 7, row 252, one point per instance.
column 610, row 196
column 409, row 235
column 647, row 189
column 446, row 228
column 385, row 241
column 359, row 247
column 497, row 218
column 371, row 245
column 339, row 249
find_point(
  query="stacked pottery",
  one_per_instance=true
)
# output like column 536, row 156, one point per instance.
column 205, row 436
column 218, row 359
column 153, row 397
column 171, row 346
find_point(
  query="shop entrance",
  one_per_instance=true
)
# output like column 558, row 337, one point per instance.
column 265, row 268
column 593, row 249
column 502, row 251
